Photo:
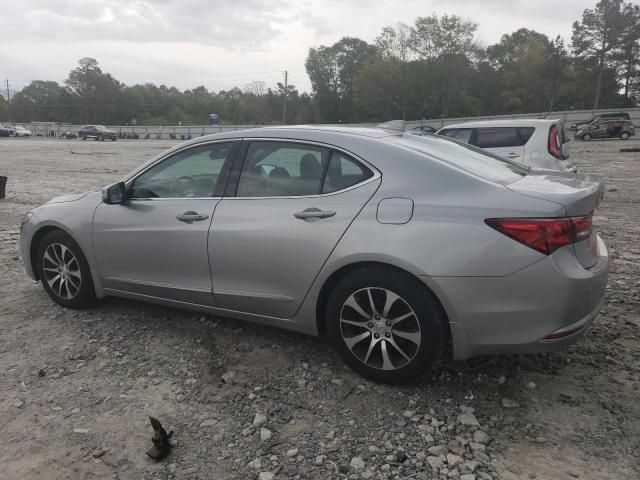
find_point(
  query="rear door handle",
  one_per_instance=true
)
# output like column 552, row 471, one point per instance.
column 190, row 217
column 313, row 213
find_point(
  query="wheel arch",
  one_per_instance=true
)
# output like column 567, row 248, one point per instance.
column 343, row 271
column 35, row 242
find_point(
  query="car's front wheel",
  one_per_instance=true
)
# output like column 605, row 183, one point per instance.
column 624, row 136
column 586, row 137
column 64, row 271
column 386, row 325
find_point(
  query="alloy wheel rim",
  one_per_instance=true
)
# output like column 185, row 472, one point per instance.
column 61, row 271
column 380, row 328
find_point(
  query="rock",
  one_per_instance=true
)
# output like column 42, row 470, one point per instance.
column 435, row 462
column 81, row 430
column 471, row 465
column 468, row 476
column 531, row 385
column 255, row 464
column 292, row 452
column 468, row 419
column 409, row 413
column 320, row 459
column 18, row 403
column 265, row 434
column 367, row 474
column 373, row 449
column 228, row 377
column 357, row 463
column 209, row 422
column 172, row 467
column 480, row 437
column 439, row 450
column 386, row 467
column 454, row 460
column 509, row 403
column 265, row 476
column 401, row 457
column 476, row 447
column 514, row 469
column 99, row 452
column 259, row 420
column 337, row 381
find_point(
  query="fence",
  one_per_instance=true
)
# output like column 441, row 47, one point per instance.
column 183, row 132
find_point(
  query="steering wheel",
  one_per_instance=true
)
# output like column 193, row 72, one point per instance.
column 184, row 186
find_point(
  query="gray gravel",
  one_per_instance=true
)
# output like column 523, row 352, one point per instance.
column 248, row 402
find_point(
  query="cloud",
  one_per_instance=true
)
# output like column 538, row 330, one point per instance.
column 234, row 24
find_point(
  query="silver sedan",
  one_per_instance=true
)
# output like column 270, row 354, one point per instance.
column 401, row 249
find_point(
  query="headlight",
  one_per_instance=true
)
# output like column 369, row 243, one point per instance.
column 27, row 217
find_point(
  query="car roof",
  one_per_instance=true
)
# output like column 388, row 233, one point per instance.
column 521, row 122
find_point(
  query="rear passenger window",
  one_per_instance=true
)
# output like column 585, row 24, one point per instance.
column 503, row 137
column 460, row 134
column 344, row 172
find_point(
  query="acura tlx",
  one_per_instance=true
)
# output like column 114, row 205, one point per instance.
column 400, row 248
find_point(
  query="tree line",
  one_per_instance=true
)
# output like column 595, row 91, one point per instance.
column 431, row 69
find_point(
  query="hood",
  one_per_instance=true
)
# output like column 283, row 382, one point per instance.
column 68, row 198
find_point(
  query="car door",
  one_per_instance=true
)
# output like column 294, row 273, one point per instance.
column 600, row 130
column 507, row 142
column 291, row 202
column 156, row 243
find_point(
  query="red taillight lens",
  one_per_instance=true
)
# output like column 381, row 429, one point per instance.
column 555, row 144
column 544, row 234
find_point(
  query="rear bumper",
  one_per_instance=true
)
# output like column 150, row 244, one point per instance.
column 514, row 314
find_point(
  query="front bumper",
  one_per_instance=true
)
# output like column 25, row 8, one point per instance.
column 514, row 314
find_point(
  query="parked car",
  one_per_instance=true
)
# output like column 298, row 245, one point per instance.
column 539, row 144
column 21, row 132
column 400, row 248
column 622, row 129
column 5, row 131
column 97, row 132
column 424, row 129
column 601, row 116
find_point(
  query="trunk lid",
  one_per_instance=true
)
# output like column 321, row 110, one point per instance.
column 579, row 194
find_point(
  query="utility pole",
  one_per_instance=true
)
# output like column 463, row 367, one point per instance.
column 284, row 105
column 8, row 99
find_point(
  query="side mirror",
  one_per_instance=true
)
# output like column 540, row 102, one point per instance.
column 115, row 194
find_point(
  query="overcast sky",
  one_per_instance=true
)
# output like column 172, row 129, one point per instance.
column 224, row 43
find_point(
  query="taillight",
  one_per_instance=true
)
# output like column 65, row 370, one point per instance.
column 545, row 235
column 555, row 143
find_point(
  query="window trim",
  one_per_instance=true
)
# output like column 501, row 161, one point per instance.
column 227, row 167
column 234, row 177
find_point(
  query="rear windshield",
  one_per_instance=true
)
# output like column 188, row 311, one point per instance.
column 465, row 157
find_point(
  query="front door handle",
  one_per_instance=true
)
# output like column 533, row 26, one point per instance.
column 313, row 213
column 512, row 155
column 190, row 217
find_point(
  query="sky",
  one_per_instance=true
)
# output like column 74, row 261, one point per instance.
column 225, row 43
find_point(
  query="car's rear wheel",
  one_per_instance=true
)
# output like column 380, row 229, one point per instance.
column 386, row 325
column 83, row 137
column 586, row 137
column 64, row 271
column 624, row 136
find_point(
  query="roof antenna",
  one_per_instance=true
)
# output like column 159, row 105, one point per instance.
column 395, row 125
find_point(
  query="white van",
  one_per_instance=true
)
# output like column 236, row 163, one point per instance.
column 539, row 144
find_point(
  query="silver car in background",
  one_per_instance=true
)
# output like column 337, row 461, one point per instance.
column 400, row 248
column 537, row 143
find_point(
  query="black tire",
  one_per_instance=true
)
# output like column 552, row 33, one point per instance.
column 586, row 137
column 83, row 137
column 428, row 318
column 85, row 295
column 624, row 136
column 113, row 139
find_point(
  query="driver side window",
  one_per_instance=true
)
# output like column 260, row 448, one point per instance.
column 195, row 172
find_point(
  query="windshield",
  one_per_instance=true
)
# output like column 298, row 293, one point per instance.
column 466, row 157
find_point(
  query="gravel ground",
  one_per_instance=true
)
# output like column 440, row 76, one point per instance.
column 246, row 401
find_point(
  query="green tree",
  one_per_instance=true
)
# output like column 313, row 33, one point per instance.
column 598, row 36
column 628, row 55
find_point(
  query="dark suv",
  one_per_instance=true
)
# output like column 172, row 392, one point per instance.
column 601, row 117
column 97, row 132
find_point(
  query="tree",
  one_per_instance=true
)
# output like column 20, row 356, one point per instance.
column 332, row 71
column 598, row 36
column 394, row 44
column 97, row 90
column 42, row 101
column 628, row 55
column 449, row 42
